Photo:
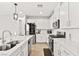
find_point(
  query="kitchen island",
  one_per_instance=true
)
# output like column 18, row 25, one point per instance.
column 20, row 49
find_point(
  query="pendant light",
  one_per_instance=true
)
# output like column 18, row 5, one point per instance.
column 15, row 15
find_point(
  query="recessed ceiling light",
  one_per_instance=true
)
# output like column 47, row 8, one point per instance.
column 41, row 12
column 20, row 12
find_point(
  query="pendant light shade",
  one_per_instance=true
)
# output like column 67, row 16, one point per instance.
column 15, row 16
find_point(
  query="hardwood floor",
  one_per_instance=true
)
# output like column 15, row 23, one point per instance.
column 37, row 49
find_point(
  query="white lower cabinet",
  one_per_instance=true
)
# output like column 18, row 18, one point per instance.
column 57, row 49
column 65, row 52
column 61, row 49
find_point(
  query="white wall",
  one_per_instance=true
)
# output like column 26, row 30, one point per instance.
column 40, row 23
column 7, row 23
column 6, row 18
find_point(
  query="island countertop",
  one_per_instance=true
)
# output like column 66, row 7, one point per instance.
column 17, row 49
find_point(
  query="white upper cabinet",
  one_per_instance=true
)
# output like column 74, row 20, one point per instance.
column 68, row 13
column 74, row 14
column 61, row 12
column 56, row 13
column 64, row 21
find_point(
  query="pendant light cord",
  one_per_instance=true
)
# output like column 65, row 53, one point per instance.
column 15, row 7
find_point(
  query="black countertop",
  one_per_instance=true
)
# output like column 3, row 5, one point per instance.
column 57, row 36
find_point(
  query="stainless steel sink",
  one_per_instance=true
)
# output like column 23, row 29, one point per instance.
column 9, row 45
column 5, row 47
column 13, row 43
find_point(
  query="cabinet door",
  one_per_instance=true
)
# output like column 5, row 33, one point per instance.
column 64, row 21
column 33, row 39
column 25, row 49
column 57, row 49
column 65, row 52
column 42, row 37
column 21, row 24
column 74, row 14
column 56, row 14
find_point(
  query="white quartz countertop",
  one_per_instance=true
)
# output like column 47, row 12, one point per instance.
column 70, row 45
column 22, row 38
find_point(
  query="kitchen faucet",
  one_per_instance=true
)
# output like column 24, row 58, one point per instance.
column 3, row 35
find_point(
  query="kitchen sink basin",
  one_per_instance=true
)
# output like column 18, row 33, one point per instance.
column 5, row 47
column 9, row 45
column 13, row 43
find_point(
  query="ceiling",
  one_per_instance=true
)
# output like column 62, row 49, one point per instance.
column 27, row 8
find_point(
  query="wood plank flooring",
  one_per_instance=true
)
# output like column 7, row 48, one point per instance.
column 37, row 49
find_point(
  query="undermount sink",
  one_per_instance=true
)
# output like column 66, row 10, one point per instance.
column 13, row 43
column 9, row 45
column 5, row 47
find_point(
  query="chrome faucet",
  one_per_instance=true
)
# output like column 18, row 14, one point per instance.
column 3, row 41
